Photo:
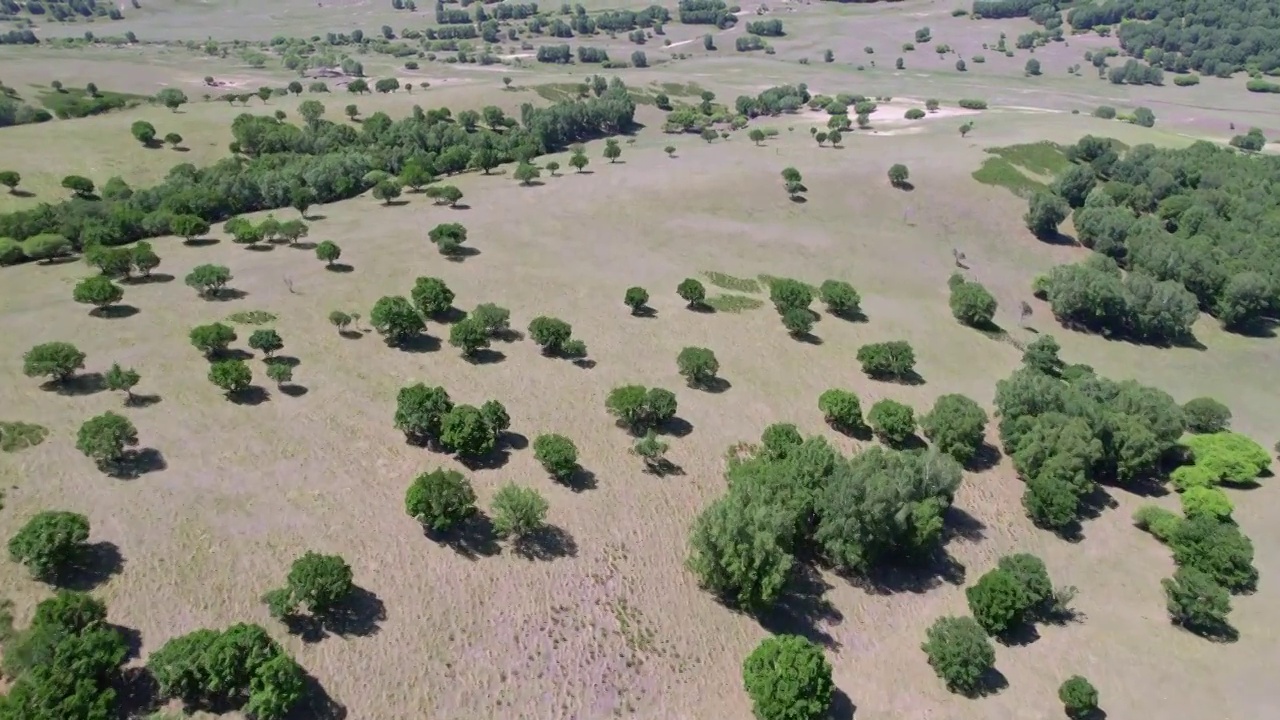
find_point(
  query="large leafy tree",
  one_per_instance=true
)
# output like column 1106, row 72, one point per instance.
column 213, row 338
column 318, row 582
column 239, row 666
column 420, row 411
column 960, row 653
column 466, row 431
column 956, row 425
column 58, row 360
column 50, row 543
column 105, row 437
column 440, row 500
column 737, row 551
column 431, row 296
column 396, row 319
column 518, row 512
column 558, row 455
column 788, row 678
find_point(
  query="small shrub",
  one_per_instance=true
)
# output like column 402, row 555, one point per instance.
column 1079, row 698
column 1206, row 415
column 892, row 421
column 959, row 652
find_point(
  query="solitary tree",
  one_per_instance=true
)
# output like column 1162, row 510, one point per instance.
column 465, row 430
column 98, row 291
column 468, row 335
column 81, row 186
column 887, row 360
column 329, row 252
column 788, row 678
column 756, row 135
column 526, row 173
column 386, row 191
column 105, row 437
column 188, row 227
column 653, row 449
column 208, row 280
column 420, row 410
column 279, row 372
column 10, row 179
column 1079, row 698
column 144, row 259
column 340, row 320
column 213, row 338
column 692, row 292
column 441, row 500
column 431, row 296
column 636, row 299
column 396, row 319
column 118, row 378
column 841, row 299
column 320, row 583
column 143, row 131
column 960, row 653
column 50, row 543
column 518, row 511
column 266, row 340
column 558, row 455
column 898, row 175
column 842, row 409
column 232, row 376
column 58, row 360
column 550, row 333
column 698, row 366
column 1197, row 602
column 612, row 150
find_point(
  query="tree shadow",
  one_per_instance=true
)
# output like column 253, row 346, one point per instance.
column 905, row 186
column 136, row 463
column 701, row 307
column 293, row 391
column 96, row 564
column 114, row 311
column 986, row 457
column 449, row 315
column 992, row 682
column 20, row 193
column 584, row 363
column 842, row 707
column 507, row 335
column 289, row 360
column 799, row 199
column 351, row 334
column 1260, row 328
column 486, row 356
column 913, row 577
column 644, row 311
column 152, row 279
column 341, row 268
column 462, row 253
column 394, row 203
column 303, row 245
column 141, row 401
column 419, row 343
column 581, row 480
column 802, row 607
column 676, row 427
column 201, row 242
column 252, row 396
column 77, row 385
column 807, row 338
column 459, row 206
column 715, row 385
column 958, row 523
column 136, row 689
column 532, row 183
column 1058, row 238
column 497, row 458
column 226, row 295
column 550, row 542
column 861, row 432
column 856, row 316
column 662, row 467
column 316, row 703
column 509, row 440
column 1223, row 632
column 473, row 539
column 260, row 247
column 910, row 443
column 359, row 615
column 1019, row 635
column 233, row 354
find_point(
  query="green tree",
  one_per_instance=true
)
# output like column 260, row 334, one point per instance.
column 81, row 186
column 841, row 409
column 639, row 408
column 1041, row 355
column 893, row 422
column 50, row 543
column 144, row 132
column 1051, row 502
column 396, row 319
column 328, row 252
column 212, row 339
column 1206, row 415
column 888, row 360
column 46, row 247
column 10, row 179
column 1075, row 184
column 1195, row 601
column 465, row 431
column 144, row 259
column 756, row 135
column 441, row 500
column 956, row 426
column 787, row 294
column 105, row 437
column 233, row 376
column 58, row 360
column 420, row 411
column 111, row 261
column 1045, row 212
column 841, row 299
column 1033, row 580
column 118, row 378
column 174, row 139
column 1078, row 697
column 788, row 678
column 495, row 417
column 698, row 366
column 553, row 167
column 1216, row 548
column 311, row 111
column 612, row 150
column 653, row 450
column 493, row 318
column 797, row 321
column 468, row 335
column 518, row 512
column 636, row 298
column 692, row 292
column 276, row 687
column 997, row 602
column 526, row 173
column 431, row 296
column 340, row 320
column 972, row 304
column 173, row 98
column 898, row 175
column 558, row 455
column 960, row 653
column 208, row 280
column 279, row 372
column 386, row 191
column 266, row 341
column 736, row 551
column 579, row 160
column 550, row 333
column 189, row 227
column 318, row 582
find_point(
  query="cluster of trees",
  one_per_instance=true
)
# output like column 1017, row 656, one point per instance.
column 1214, row 38
column 443, row 500
column 748, row 43
column 291, row 166
column 998, row 9
column 1067, row 429
column 560, row 54
column 706, row 12
column 768, row 28
column 623, row 20
column 1193, row 218
column 428, row 416
column 774, row 101
column 791, row 494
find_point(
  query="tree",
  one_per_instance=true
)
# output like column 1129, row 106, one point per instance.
column 329, row 252
column 558, row 455
column 46, row 247
column 639, row 408
column 1051, row 502
column 174, row 139
column 1041, row 355
column 1206, row 415
column 898, row 175
column 233, row 376
column 105, row 437
column 1075, row 184
column 50, row 543
column 118, row 378
column 526, row 173
column 841, row 409
column 1216, row 548
column 971, row 303
column 698, row 366
column 266, row 340
column 997, row 602
column 431, row 296
column 396, row 319
column 420, row 411
column 553, row 167
column 81, row 186
column 670, row 150
column 1045, row 212
column 692, row 292
column 1243, row 300
column 636, row 299
column 840, row 298
column 340, row 320
column 518, row 511
column 466, row 431
column 736, row 553
column 1033, row 67
column 58, row 360
column 188, row 227
column 956, row 426
column 98, row 291
column 173, row 98
column 321, row 583
column 788, row 678
column 1078, row 697
column 612, row 150
column 756, row 135
column 468, row 335
column 144, row 132
column 10, row 179
column 311, row 111
column 212, row 339
column 797, row 321
column 1195, row 601
column 227, row 668
column 113, row 262
column 960, row 653
column 793, row 182
column 495, row 417
column 144, row 259
column 550, row 333
column 653, row 450
column 888, row 360
column 579, row 160
column 351, row 110
column 709, row 134
column 787, row 294
column 494, row 319
column 208, row 280
column 386, row 191
column 440, row 500
column 279, row 372
column 892, row 421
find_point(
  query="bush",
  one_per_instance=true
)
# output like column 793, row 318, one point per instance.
column 1216, row 548
column 320, row 583
column 788, row 678
column 1144, row 117
column 636, row 298
column 212, row 339
column 841, row 299
column 1045, row 212
column 737, row 552
column 1206, row 415
column 1156, row 520
column 914, row 114
column 842, row 409
column 973, row 104
column 1195, row 601
column 997, row 602
column 888, row 360
column 692, row 292
column 441, row 500
column 465, row 431
column 420, row 410
column 698, row 366
column 58, row 360
column 1221, row 457
column 493, row 318
column 959, row 652
column 104, row 438
column 241, row 665
column 1079, row 698
column 641, row 409
column 518, row 511
column 550, row 334
column 431, row 296
column 956, row 426
column 1051, row 502
column 1208, row 502
column 558, row 455
column 972, row 304
column 787, row 294
column 50, row 543
column 892, row 421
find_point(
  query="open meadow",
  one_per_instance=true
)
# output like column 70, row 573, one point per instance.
column 596, row 614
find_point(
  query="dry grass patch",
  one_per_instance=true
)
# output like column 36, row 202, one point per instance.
column 729, row 282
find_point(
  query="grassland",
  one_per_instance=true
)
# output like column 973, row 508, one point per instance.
column 611, row 624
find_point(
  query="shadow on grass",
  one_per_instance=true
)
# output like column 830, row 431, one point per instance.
column 201, row 242
column 462, row 253
column 807, row 338
column 803, row 607
column 303, row 245
column 77, row 385
column 226, row 295
column 986, row 457
column 260, row 247
column 676, row 427
column 715, row 385
column 141, row 401
column 549, row 542
column 316, row 703
column 360, row 615
column 289, row 360
column 340, row 268
column 918, row 577
column 486, row 356
column 293, row 391
column 252, row 396
column 136, row 463
column 419, row 343
column 958, row 523
column 350, row 334
column 1020, row 635
column 473, row 539
column 97, row 563
column 581, row 480
column 152, row 279
column 842, row 707
column 861, row 432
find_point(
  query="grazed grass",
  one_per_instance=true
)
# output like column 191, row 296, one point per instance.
column 769, row 280
column 252, row 317
column 1041, row 158
column 15, row 436
column 1001, row 173
column 682, row 89
column 77, row 102
column 733, row 303
column 731, row 282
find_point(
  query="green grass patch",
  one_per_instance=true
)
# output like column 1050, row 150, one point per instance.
column 729, row 282
column 78, row 103
column 769, row 280
column 682, row 89
column 1001, row 173
column 15, row 436
column 252, row 317
column 733, row 303
column 556, row 92
column 1041, row 158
